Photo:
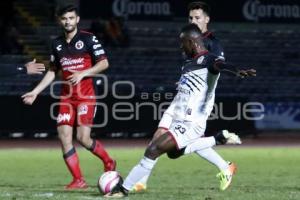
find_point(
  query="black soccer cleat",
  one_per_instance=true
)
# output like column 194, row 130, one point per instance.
column 118, row 191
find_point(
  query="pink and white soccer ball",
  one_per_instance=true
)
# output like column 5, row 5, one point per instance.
column 107, row 181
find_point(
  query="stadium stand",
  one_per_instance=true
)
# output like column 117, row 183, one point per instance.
column 153, row 59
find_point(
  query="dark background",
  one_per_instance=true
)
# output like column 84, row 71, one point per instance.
column 259, row 33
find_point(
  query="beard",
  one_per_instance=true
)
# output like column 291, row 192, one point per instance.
column 69, row 28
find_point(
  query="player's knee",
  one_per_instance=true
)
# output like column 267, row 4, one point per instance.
column 158, row 133
column 65, row 138
column 175, row 154
column 152, row 152
column 83, row 140
column 171, row 155
column 66, row 143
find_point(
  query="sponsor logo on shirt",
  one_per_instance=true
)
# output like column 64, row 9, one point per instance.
column 59, row 47
column 99, row 52
column 189, row 111
column 96, row 46
column 95, row 39
column 71, row 63
column 63, row 117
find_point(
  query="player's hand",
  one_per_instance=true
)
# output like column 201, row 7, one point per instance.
column 29, row 98
column 247, row 72
column 76, row 77
column 35, row 68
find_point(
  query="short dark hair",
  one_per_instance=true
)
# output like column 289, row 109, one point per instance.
column 192, row 30
column 199, row 5
column 66, row 8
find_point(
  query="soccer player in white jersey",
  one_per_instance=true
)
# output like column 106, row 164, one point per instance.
column 192, row 106
column 199, row 14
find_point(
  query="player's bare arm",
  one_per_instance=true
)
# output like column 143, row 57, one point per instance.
column 30, row 97
column 77, row 76
column 223, row 66
column 247, row 72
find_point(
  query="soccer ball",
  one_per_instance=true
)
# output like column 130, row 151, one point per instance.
column 107, row 181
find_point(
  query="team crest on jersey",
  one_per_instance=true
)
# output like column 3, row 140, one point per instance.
column 200, row 60
column 79, row 45
column 183, row 80
column 83, row 109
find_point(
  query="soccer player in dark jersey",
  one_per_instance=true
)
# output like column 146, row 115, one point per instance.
column 198, row 81
column 199, row 13
column 79, row 56
column 29, row 68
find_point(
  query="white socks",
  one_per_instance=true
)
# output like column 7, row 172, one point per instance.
column 202, row 147
column 213, row 157
column 141, row 170
column 144, row 180
column 199, row 144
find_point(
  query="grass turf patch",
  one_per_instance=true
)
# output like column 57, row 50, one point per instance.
column 270, row 173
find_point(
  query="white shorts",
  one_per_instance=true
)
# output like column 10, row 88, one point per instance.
column 184, row 132
column 165, row 121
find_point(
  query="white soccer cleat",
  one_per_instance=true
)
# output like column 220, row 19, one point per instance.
column 231, row 138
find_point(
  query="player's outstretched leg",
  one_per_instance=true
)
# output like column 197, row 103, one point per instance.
column 159, row 146
column 222, row 137
column 202, row 147
column 143, row 168
column 226, row 137
column 141, row 185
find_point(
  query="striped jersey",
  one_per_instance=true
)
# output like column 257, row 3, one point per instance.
column 196, row 88
column 81, row 53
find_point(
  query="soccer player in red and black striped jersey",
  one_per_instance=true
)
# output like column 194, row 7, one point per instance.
column 79, row 56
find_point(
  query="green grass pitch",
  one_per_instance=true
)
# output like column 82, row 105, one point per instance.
column 263, row 174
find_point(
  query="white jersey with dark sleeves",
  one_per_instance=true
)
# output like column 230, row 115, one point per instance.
column 196, row 90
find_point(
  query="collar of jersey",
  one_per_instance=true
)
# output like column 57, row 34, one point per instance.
column 74, row 38
column 200, row 54
column 206, row 34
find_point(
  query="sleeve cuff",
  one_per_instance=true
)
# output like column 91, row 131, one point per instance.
column 22, row 70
